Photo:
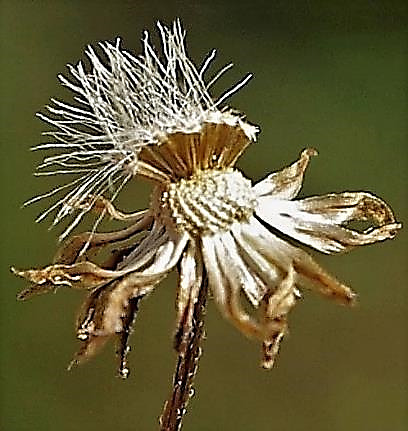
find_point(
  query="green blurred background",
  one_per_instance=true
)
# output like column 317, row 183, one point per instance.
column 332, row 75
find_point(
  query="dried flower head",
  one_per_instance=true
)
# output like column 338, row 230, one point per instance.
column 152, row 116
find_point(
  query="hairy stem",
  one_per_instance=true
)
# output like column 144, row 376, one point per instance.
column 186, row 368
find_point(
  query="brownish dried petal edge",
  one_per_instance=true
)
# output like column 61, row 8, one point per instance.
column 322, row 222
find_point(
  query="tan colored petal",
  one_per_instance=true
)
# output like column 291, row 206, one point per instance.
column 102, row 312
column 275, row 307
column 190, row 283
column 83, row 275
column 107, row 312
column 72, row 249
column 89, row 348
column 282, row 255
column 321, row 221
column 215, row 277
column 105, row 306
column 269, row 271
column 286, row 183
column 123, row 347
column 101, row 205
column 279, row 278
column 157, row 253
column 227, row 277
column 110, row 308
column 226, row 287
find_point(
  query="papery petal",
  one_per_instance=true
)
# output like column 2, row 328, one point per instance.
column 227, row 276
column 82, row 275
column 275, row 307
column 239, row 273
column 158, row 253
column 286, row 183
column 104, row 307
column 215, row 276
column 109, row 309
column 190, row 283
column 283, row 255
column 72, row 249
column 269, row 272
column 123, row 348
column 319, row 221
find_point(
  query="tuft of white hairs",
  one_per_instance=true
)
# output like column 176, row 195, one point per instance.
column 123, row 104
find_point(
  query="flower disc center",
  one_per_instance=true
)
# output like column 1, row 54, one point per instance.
column 208, row 201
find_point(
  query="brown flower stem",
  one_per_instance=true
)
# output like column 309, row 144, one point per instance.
column 186, row 368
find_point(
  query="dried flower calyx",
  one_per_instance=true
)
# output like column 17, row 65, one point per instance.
column 155, row 118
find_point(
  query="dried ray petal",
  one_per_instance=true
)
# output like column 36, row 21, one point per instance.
column 157, row 249
column 225, row 282
column 282, row 255
column 99, row 204
column 108, row 311
column 276, row 305
column 166, row 257
column 82, row 275
column 110, row 308
column 88, row 348
column 267, row 270
column 286, row 183
column 190, row 283
column 270, row 349
column 145, row 250
column 215, row 277
column 319, row 221
column 123, row 337
column 233, row 283
column 71, row 249
column 34, row 289
column 278, row 302
column 105, row 306
column 282, row 293
column 243, row 276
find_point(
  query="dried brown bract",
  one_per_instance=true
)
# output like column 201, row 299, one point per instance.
column 155, row 119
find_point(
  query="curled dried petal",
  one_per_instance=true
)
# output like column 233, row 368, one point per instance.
column 71, row 250
column 190, row 283
column 110, row 310
column 227, row 278
column 286, row 184
column 282, row 255
column 275, row 307
column 321, row 221
column 82, row 275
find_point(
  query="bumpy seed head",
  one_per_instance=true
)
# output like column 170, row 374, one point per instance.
column 207, row 202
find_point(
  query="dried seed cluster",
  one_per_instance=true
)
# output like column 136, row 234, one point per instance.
column 208, row 202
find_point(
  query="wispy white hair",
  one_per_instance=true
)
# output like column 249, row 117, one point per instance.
column 123, row 104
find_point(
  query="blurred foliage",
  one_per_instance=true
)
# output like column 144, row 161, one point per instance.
column 332, row 75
